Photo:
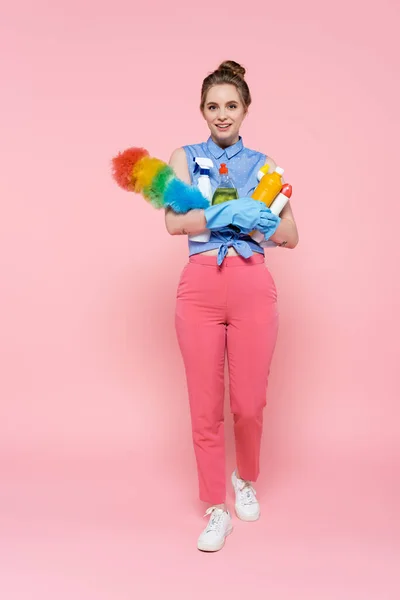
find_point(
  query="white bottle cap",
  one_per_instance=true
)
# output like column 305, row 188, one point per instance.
column 279, row 170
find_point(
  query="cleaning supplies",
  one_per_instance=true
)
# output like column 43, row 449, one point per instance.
column 269, row 186
column 282, row 199
column 226, row 190
column 276, row 207
column 204, row 185
column 134, row 170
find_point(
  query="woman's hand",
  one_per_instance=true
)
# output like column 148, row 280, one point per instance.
column 268, row 223
column 245, row 214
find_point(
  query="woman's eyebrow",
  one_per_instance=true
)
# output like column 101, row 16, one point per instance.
column 230, row 102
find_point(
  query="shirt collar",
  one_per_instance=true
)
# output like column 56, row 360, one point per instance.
column 217, row 152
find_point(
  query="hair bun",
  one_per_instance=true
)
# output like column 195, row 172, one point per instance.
column 234, row 67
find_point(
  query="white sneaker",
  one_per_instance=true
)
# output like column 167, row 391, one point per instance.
column 212, row 538
column 246, row 504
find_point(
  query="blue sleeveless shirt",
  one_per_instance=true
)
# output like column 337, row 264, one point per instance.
column 243, row 165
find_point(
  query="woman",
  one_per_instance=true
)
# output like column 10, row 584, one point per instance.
column 227, row 302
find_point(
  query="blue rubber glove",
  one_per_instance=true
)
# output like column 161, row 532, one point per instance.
column 268, row 223
column 245, row 214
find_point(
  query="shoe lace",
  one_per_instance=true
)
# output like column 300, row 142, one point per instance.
column 215, row 521
column 247, row 493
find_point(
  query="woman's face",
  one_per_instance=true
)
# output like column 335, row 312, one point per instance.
column 224, row 112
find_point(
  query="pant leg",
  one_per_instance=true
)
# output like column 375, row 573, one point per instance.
column 201, row 331
column 251, row 337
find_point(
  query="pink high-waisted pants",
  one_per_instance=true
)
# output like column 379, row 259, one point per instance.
column 233, row 309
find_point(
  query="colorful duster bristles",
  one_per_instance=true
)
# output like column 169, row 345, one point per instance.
column 123, row 166
column 135, row 171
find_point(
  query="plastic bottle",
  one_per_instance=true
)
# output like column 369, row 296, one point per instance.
column 226, row 190
column 269, row 186
column 204, row 185
column 276, row 207
column 281, row 199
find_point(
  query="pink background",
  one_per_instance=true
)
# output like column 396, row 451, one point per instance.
column 98, row 482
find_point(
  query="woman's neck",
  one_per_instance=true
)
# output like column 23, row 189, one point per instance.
column 226, row 144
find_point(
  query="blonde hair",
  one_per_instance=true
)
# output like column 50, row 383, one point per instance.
column 228, row 72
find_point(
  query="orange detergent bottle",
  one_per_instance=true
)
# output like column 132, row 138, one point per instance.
column 269, row 186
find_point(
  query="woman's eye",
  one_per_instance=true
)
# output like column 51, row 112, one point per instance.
column 232, row 106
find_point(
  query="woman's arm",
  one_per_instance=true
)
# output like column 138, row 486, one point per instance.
column 286, row 235
column 193, row 221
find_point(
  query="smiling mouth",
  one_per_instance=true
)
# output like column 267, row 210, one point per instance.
column 223, row 127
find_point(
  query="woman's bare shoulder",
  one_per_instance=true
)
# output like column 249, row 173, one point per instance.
column 178, row 163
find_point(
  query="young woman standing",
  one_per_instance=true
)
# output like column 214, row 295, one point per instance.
column 227, row 303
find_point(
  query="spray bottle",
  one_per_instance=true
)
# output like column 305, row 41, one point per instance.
column 204, row 185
